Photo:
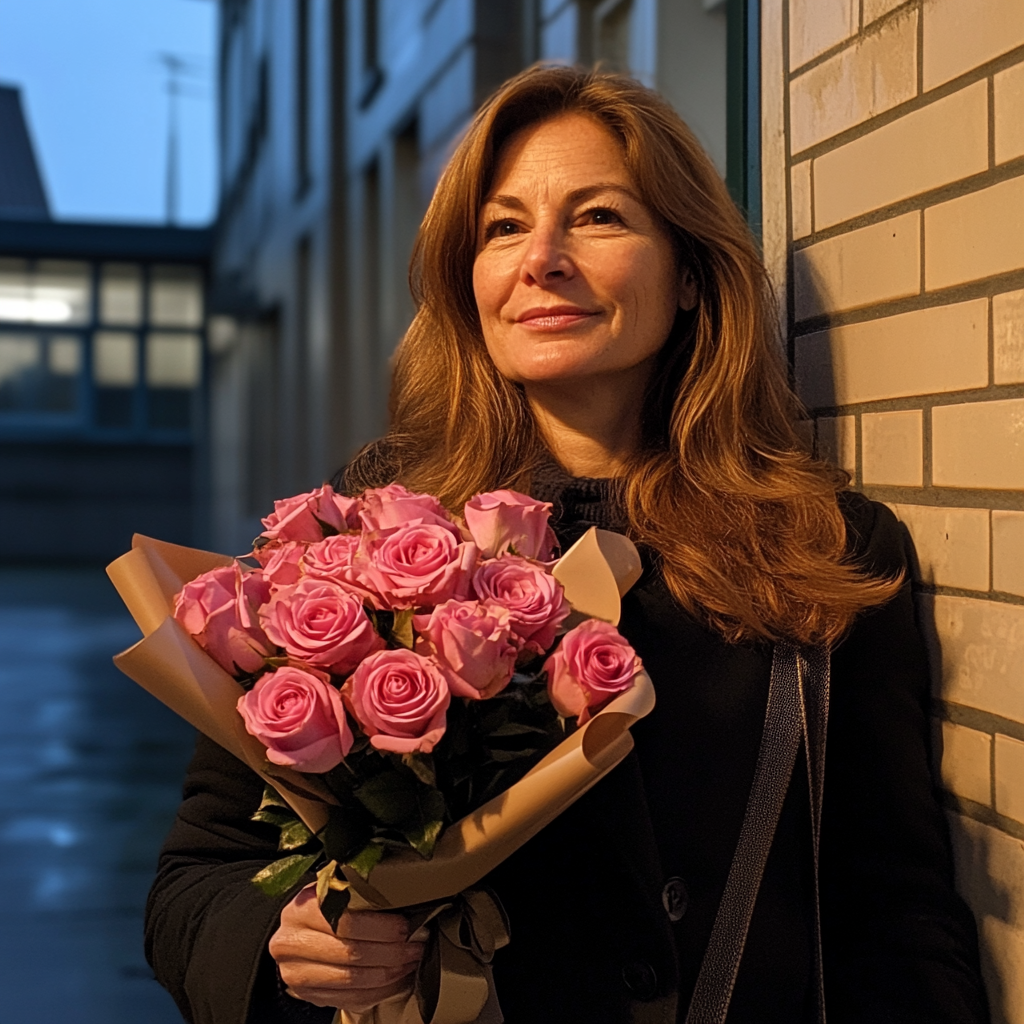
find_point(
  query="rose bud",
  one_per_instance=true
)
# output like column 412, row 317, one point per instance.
column 509, row 522
column 399, row 698
column 417, row 565
column 218, row 608
column 321, row 623
column 311, row 516
column 534, row 598
column 471, row 640
column 280, row 561
column 386, row 508
column 300, row 718
column 593, row 663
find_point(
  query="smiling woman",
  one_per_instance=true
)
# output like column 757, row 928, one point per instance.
column 595, row 328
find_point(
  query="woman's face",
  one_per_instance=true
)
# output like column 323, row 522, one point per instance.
column 573, row 276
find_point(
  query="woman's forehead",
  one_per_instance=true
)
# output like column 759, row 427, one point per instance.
column 565, row 154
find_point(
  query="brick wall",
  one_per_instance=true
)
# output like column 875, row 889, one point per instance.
column 896, row 131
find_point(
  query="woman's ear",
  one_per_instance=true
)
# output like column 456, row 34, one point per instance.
column 688, row 295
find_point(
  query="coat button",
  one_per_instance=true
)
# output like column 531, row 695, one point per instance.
column 640, row 979
column 675, row 899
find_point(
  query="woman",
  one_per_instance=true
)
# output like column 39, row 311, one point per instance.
column 594, row 327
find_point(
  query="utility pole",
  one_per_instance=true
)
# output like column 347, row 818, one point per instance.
column 175, row 66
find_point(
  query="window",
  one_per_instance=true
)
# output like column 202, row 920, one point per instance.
column 135, row 363
column 175, row 297
column 48, row 292
column 303, row 163
column 39, row 373
column 612, row 34
column 121, row 295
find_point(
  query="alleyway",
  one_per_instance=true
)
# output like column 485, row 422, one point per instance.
column 90, row 773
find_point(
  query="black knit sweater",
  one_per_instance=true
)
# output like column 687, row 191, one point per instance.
column 591, row 940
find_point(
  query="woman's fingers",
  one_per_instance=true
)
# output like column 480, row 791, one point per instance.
column 353, row 1000
column 306, row 944
column 310, row 974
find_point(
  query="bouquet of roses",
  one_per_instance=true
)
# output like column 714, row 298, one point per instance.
column 422, row 692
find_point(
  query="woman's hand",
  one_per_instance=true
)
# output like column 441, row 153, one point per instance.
column 366, row 961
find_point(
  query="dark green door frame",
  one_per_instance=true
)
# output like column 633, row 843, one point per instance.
column 743, row 107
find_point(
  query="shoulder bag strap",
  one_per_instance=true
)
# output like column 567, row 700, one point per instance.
column 797, row 711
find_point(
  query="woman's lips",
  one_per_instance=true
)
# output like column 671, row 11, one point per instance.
column 553, row 319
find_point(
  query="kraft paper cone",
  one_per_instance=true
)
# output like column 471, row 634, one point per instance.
column 595, row 572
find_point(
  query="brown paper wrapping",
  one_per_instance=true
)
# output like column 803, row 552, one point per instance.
column 168, row 663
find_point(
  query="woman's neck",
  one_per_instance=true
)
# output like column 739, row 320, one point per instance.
column 591, row 427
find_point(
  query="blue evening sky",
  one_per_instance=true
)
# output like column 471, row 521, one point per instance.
column 94, row 91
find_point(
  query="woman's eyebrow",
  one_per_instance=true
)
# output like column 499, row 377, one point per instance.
column 577, row 195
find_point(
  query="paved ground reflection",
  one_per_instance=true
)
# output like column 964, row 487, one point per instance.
column 90, row 775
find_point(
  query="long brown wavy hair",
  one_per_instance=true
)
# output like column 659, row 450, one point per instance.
column 746, row 524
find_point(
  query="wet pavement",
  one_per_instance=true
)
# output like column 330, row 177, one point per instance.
column 90, row 775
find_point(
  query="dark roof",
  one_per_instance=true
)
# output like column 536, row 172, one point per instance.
column 56, row 239
column 21, row 187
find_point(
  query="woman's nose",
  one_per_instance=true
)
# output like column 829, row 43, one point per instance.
column 546, row 258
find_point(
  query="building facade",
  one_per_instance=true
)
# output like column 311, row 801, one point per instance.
column 893, row 187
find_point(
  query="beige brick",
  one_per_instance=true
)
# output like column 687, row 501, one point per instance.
column 874, row 9
column 951, row 544
column 977, row 653
column 1008, row 337
column 924, row 352
column 891, row 448
column 1009, row 108
column 800, row 196
column 1009, row 777
column 961, row 34
column 975, row 235
column 817, row 25
column 904, row 158
column 966, row 760
column 837, row 441
column 873, row 75
column 990, row 875
column 865, row 266
column 979, row 445
column 1008, row 551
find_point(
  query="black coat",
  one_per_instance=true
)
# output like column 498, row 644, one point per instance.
column 591, row 940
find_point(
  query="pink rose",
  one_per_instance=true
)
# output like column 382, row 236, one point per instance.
column 534, row 598
column 399, row 698
column 309, row 517
column 332, row 557
column 593, row 663
column 280, row 561
column 417, row 565
column 219, row 609
column 299, row 716
column 388, row 507
column 472, row 640
column 507, row 521
column 321, row 623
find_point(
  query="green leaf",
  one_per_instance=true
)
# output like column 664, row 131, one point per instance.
column 293, row 835
column 391, row 797
column 423, row 838
column 517, row 729
column 422, row 766
column 366, row 859
column 283, row 875
column 332, row 894
column 271, row 798
column 401, row 628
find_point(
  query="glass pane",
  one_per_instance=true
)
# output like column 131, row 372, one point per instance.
column 173, row 360
column 176, row 297
column 114, row 407
column 115, row 359
column 39, row 374
column 170, row 409
column 61, row 292
column 121, row 294
column 15, row 293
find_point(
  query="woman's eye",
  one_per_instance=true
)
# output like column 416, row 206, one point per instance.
column 502, row 229
column 603, row 216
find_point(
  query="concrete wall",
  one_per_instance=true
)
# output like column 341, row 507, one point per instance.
column 894, row 133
